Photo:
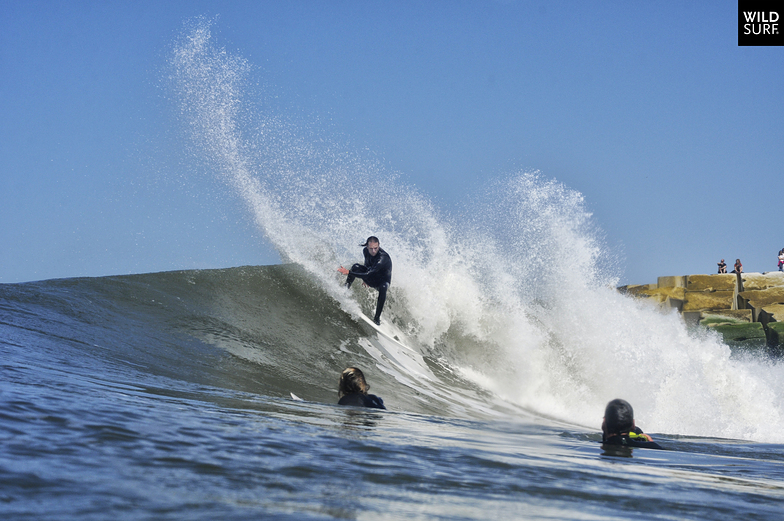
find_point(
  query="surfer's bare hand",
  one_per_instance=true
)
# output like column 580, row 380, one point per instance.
column 343, row 270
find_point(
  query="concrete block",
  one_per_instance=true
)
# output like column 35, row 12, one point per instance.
column 672, row 282
column 708, row 301
column 746, row 335
column 762, row 281
column 667, row 292
column 756, row 300
column 692, row 318
column 776, row 335
column 658, row 295
column 676, row 303
column 636, row 289
column 726, row 316
column 771, row 313
column 762, row 297
column 710, row 282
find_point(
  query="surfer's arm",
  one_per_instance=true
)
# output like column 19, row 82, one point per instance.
column 362, row 275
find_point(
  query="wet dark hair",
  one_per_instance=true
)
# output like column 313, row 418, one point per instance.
column 618, row 416
column 352, row 381
column 372, row 238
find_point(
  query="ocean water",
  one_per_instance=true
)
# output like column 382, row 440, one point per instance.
column 169, row 395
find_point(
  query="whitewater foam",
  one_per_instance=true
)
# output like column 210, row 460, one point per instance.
column 517, row 295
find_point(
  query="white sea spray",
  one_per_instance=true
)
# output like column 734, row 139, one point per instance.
column 518, row 294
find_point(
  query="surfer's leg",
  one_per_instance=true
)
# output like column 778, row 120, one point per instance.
column 382, row 297
column 355, row 268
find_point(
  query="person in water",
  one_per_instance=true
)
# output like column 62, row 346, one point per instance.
column 353, row 390
column 376, row 272
column 722, row 266
column 618, row 427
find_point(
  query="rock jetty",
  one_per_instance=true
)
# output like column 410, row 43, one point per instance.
column 746, row 309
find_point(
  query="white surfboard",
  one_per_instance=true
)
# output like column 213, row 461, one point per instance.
column 389, row 345
column 388, row 333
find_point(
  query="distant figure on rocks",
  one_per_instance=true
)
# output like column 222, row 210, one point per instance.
column 722, row 266
column 618, row 427
column 781, row 260
column 353, row 390
column 376, row 272
column 738, row 267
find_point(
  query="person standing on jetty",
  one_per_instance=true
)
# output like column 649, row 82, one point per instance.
column 376, row 272
column 722, row 266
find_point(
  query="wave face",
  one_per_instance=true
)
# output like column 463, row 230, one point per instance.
column 511, row 303
column 269, row 331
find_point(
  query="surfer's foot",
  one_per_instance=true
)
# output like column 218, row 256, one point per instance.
column 377, row 321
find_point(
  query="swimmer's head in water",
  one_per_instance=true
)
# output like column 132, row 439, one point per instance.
column 618, row 417
column 352, row 381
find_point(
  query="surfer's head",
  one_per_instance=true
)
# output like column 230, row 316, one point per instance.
column 372, row 244
column 618, row 417
column 352, row 381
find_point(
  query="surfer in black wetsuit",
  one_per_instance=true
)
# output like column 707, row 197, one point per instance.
column 618, row 427
column 376, row 272
column 353, row 390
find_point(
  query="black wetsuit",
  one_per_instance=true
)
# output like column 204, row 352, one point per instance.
column 376, row 273
column 631, row 439
column 362, row 400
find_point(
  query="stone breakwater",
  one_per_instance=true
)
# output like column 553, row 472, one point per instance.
column 746, row 309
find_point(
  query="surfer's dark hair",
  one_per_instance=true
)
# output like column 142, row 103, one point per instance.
column 618, row 416
column 352, row 381
column 372, row 238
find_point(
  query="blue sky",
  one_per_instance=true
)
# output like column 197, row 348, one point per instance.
column 672, row 132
